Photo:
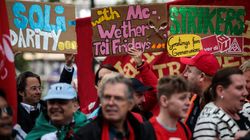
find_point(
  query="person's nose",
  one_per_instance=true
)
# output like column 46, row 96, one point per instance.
column 4, row 114
column 187, row 102
column 143, row 98
column 111, row 101
column 38, row 90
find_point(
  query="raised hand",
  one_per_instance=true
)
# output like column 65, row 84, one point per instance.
column 136, row 54
column 69, row 59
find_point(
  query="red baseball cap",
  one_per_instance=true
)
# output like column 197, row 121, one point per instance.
column 204, row 61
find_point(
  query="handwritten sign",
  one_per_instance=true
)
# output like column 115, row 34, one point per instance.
column 207, row 19
column 184, row 45
column 215, row 24
column 116, row 29
column 42, row 27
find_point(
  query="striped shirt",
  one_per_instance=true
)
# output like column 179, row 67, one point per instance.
column 214, row 123
column 246, row 110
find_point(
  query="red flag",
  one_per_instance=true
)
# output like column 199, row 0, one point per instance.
column 7, row 69
column 86, row 89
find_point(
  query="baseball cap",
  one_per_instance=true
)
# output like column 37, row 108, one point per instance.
column 61, row 91
column 139, row 86
column 204, row 61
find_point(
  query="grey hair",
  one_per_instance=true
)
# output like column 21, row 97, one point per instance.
column 115, row 78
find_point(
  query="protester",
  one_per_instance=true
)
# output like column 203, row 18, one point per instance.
column 92, row 109
column 29, row 92
column 115, row 120
column 245, row 67
column 6, row 122
column 103, row 70
column 199, row 71
column 62, row 118
column 140, row 91
column 148, row 107
column 173, row 96
column 220, row 119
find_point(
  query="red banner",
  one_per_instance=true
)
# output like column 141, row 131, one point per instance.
column 7, row 69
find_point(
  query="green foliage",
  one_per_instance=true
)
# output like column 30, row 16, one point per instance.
column 20, row 63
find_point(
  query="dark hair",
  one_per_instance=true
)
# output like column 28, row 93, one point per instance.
column 22, row 83
column 106, row 66
column 223, row 78
column 170, row 85
column 2, row 94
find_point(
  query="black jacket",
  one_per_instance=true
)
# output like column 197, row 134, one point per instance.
column 26, row 120
column 66, row 76
column 93, row 130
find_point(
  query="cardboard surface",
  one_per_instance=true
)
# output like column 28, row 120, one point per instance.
column 116, row 29
column 42, row 27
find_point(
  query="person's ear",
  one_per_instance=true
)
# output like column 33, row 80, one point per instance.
column 164, row 101
column 21, row 93
column 76, row 106
column 202, row 76
column 220, row 91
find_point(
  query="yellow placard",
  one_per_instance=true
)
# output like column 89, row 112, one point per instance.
column 184, row 45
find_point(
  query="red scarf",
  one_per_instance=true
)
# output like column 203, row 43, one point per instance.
column 105, row 132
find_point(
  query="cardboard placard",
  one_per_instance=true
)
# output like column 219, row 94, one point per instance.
column 42, row 27
column 184, row 45
column 215, row 24
column 116, row 29
column 206, row 20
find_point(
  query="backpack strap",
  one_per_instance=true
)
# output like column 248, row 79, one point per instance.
column 185, row 129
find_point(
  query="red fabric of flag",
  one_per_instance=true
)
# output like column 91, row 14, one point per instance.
column 84, row 61
column 7, row 69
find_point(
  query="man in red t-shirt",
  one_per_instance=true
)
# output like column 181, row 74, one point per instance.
column 173, row 96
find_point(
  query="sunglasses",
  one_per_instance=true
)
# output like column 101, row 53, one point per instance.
column 6, row 110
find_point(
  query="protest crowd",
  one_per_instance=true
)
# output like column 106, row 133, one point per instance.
column 205, row 101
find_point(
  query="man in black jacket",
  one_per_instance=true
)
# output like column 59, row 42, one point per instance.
column 29, row 94
column 115, row 121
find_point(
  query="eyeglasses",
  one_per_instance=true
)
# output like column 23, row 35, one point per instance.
column 116, row 99
column 7, row 110
column 35, row 88
column 58, row 101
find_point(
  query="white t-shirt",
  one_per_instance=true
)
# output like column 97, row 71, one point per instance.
column 49, row 136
